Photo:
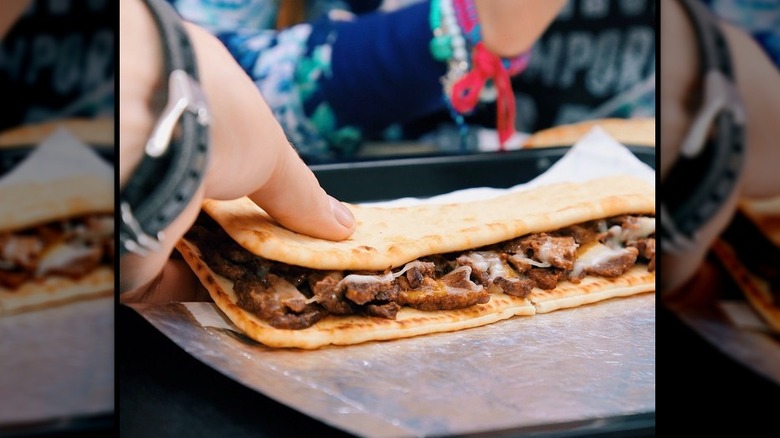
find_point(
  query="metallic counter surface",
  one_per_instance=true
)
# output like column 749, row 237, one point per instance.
column 572, row 369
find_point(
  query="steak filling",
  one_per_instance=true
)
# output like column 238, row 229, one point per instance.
column 292, row 297
column 69, row 248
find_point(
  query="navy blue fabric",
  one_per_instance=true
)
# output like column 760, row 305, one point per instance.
column 52, row 68
column 363, row 6
column 383, row 72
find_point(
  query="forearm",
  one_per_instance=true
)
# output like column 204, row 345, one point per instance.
column 759, row 86
column 10, row 11
column 680, row 82
column 138, row 82
column 510, row 27
column 758, row 82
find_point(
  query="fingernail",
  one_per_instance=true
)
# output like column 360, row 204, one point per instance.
column 342, row 213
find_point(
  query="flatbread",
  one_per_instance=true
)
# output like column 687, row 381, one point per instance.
column 26, row 205
column 55, row 291
column 765, row 214
column 97, row 132
column 29, row 204
column 387, row 238
column 763, row 218
column 636, row 132
column 593, row 289
column 350, row 330
column 755, row 288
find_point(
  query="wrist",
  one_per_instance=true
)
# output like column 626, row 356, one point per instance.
column 171, row 169
column 704, row 177
column 680, row 83
column 141, row 93
column 510, row 27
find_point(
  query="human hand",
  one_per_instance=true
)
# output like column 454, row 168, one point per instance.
column 758, row 82
column 250, row 154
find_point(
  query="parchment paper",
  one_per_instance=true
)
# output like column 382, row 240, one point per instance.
column 590, row 364
column 59, row 362
column 58, row 156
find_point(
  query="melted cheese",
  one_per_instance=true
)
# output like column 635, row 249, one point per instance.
column 19, row 250
column 544, row 252
column 284, row 289
column 444, row 287
column 488, row 261
column 642, row 228
column 530, row 261
column 592, row 255
column 645, row 226
column 386, row 278
column 61, row 255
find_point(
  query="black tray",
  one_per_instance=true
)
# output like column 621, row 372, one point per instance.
column 377, row 180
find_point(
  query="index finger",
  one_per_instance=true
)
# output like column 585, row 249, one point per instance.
column 251, row 154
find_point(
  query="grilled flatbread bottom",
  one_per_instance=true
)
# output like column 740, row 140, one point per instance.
column 54, row 291
column 750, row 251
column 349, row 330
column 755, row 289
column 593, row 289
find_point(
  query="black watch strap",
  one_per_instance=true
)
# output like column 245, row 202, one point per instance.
column 175, row 157
column 712, row 155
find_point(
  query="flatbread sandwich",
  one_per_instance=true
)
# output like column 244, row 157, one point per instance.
column 56, row 241
column 632, row 131
column 416, row 270
column 750, row 251
column 98, row 132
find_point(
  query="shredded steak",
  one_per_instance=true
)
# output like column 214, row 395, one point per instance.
column 293, row 297
column 71, row 247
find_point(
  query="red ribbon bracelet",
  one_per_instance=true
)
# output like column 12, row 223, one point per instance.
column 465, row 92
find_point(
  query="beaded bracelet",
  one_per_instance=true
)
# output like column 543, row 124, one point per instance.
column 485, row 77
column 448, row 45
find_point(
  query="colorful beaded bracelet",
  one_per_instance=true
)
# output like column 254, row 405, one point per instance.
column 485, row 76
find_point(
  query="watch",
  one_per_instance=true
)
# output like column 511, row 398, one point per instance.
column 712, row 154
column 176, row 154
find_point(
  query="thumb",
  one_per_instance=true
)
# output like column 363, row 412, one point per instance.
column 293, row 196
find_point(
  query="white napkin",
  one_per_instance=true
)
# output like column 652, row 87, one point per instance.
column 59, row 156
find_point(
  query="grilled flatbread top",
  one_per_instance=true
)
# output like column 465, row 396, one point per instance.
column 765, row 214
column 387, row 238
column 29, row 204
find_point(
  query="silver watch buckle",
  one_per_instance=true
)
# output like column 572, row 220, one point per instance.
column 720, row 94
column 184, row 94
column 139, row 242
column 675, row 242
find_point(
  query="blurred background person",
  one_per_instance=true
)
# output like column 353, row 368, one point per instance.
column 51, row 69
column 339, row 73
